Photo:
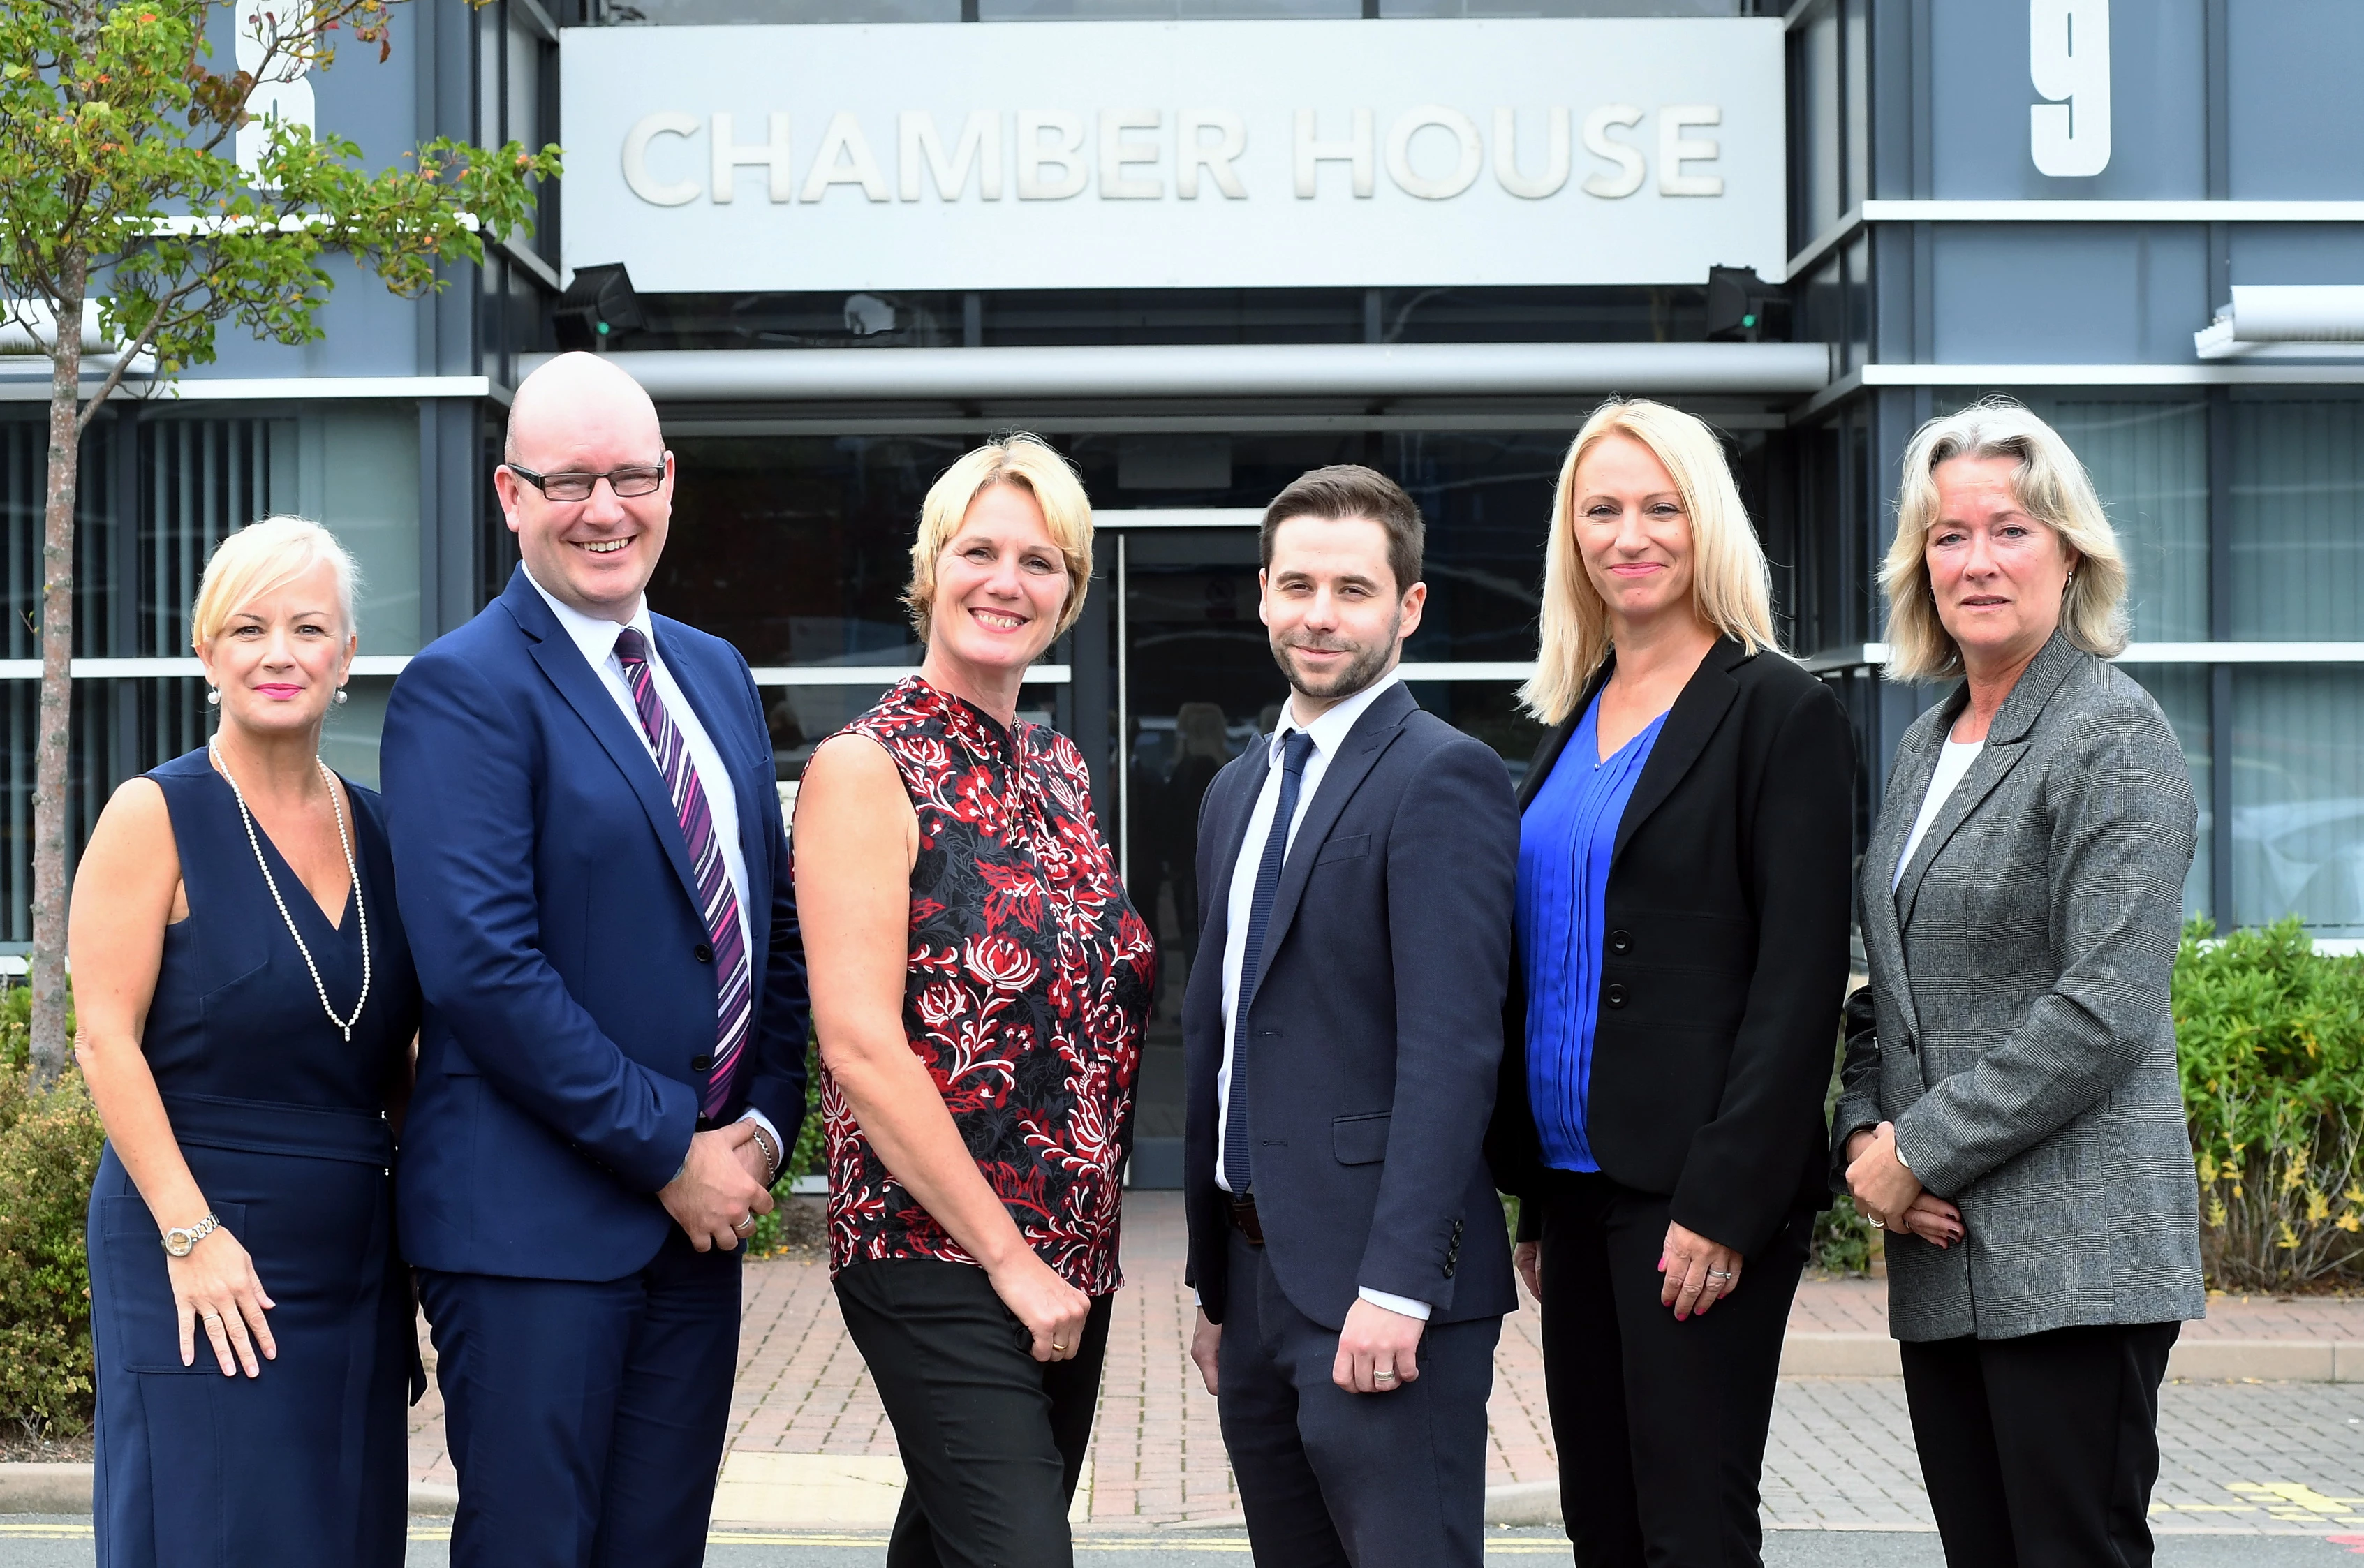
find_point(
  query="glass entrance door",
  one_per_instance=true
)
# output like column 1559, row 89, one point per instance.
column 1195, row 687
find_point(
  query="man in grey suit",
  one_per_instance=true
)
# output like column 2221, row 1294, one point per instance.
column 1341, row 1043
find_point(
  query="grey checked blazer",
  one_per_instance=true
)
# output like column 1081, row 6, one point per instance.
column 2017, row 1029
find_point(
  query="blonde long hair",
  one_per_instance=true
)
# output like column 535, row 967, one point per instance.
column 1731, row 584
column 2050, row 485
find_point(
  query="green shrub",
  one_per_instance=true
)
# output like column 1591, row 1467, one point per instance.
column 48, row 1153
column 2270, row 1037
column 810, row 1156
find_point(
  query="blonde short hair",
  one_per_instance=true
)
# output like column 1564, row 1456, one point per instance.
column 1028, row 463
column 261, row 558
column 1732, row 588
column 2049, row 485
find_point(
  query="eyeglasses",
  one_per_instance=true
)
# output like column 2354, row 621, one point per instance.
column 637, row 479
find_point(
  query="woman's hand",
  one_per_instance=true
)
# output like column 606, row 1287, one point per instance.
column 1527, row 1257
column 1933, row 1220
column 216, row 1285
column 1883, row 1188
column 1700, row 1273
column 1050, row 1308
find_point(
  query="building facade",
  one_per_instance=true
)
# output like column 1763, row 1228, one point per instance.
column 1203, row 245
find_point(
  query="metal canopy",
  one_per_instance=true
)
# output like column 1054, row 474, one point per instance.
column 1220, row 371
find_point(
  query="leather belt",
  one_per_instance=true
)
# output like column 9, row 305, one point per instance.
column 1243, row 1217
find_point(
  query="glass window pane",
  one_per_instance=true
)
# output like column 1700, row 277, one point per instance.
column 368, row 490
column 1489, row 710
column 2149, row 462
column 2298, row 520
column 2298, row 795
column 1487, row 503
column 1818, row 171
column 2182, row 691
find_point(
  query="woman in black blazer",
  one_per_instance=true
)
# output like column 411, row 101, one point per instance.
column 1673, row 1013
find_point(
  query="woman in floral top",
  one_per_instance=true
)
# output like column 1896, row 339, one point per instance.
column 979, row 983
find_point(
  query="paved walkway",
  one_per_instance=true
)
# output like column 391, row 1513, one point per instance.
column 2237, row 1456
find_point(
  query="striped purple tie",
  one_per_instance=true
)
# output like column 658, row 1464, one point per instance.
column 733, row 1000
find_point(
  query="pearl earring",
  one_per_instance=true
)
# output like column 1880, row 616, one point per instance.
column 213, row 696
column 340, row 697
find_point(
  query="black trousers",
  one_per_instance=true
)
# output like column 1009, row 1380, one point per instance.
column 1660, row 1425
column 1330, row 1479
column 2040, row 1451
column 992, row 1440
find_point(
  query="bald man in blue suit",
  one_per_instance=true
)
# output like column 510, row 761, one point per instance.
column 590, row 854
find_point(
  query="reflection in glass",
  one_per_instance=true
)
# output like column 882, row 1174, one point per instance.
column 2149, row 463
column 2181, row 692
column 2297, row 796
column 2298, row 520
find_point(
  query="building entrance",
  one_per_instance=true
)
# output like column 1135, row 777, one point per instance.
column 1195, row 686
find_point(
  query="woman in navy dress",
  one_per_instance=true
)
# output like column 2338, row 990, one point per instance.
column 246, row 1007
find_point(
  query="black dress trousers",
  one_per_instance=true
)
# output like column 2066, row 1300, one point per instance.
column 1661, row 1425
column 992, row 1440
column 2040, row 1451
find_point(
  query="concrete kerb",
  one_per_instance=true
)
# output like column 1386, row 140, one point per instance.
column 2196, row 1360
column 35, row 1487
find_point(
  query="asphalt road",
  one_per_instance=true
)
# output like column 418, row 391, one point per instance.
column 42, row 1541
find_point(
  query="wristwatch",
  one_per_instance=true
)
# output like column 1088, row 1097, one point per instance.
column 182, row 1240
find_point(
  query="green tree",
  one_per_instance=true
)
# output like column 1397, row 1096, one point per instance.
column 128, row 217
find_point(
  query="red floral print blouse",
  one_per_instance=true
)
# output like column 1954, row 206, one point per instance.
column 1031, row 975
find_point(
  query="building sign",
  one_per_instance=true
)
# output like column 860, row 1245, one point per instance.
column 1174, row 154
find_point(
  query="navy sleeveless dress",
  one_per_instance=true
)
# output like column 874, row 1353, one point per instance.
column 283, row 1123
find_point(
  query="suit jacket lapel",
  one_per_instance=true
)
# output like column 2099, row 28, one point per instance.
column 589, row 696
column 2006, row 743
column 1364, row 745
column 1699, row 708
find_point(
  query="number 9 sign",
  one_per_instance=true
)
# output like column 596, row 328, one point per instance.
column 2068, row 59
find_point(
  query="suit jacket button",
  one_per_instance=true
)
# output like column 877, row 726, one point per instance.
column 1615, row 996
column 1621, row 942
column 700, row 1064
column 703, row 952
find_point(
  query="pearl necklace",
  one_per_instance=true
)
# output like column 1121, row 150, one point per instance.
column 361, row 911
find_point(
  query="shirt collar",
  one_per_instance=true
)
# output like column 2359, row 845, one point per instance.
column 595, row 636
column 1331, row 730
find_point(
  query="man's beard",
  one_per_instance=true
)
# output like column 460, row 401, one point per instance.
column 1368, row 663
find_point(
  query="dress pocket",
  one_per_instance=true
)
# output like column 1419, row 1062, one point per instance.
column 1352, row 847
column 139, row 1328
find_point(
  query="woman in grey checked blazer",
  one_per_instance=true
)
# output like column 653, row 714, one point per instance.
column 2010, row 1109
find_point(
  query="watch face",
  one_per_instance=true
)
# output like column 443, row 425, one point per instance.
column 179, row 1242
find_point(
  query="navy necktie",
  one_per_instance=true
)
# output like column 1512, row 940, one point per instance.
column 1295, row 749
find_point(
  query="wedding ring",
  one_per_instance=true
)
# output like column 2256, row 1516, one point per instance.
column 211, row 1316
column 1719, row 1273
column 1383, row 1377
column 745, row 1224
column 1057, row 1346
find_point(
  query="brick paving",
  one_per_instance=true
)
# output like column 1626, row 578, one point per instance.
column 1840, row 1456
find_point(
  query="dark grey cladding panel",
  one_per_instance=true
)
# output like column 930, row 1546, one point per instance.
column 1980, row 93
column 2071, row 293
column 2291, row 79
column 2298, row 252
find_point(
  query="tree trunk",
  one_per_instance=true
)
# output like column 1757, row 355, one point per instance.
column 50, row 779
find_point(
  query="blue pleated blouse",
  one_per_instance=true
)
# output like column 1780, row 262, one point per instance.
column 1565, row 841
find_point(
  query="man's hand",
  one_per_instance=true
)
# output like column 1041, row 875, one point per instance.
column 1206, row 1348
column 1527, row 1257
column 1882, row 1187
column 1378, row 1350
column 751, row 1157
column 715, row 1199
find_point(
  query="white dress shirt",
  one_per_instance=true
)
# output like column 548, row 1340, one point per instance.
column 1329, row 733
column 596, row 638
column 1953, row 766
